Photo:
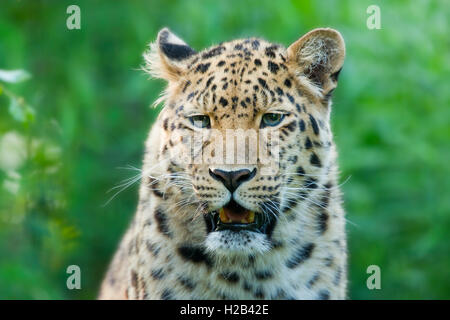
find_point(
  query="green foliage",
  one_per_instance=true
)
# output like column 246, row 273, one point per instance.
column 84, row 112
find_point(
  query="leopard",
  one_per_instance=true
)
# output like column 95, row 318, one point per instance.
column 231, row 217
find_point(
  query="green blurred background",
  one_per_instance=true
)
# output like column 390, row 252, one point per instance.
column 84, row 113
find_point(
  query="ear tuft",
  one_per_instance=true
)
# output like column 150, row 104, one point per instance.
column 168, row 57
column 318, row 56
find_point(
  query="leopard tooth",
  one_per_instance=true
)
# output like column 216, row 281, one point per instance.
column 223, row 217
column 251, row 217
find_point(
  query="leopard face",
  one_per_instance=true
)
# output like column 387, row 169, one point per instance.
column 245, row 137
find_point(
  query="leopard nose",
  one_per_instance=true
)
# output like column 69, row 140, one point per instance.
column 232, row 179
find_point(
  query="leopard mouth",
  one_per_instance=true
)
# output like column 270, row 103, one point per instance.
column 234, row 217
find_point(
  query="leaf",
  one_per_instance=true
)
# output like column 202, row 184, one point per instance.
column 20, row 111
column 15, row 110
column 14, row 76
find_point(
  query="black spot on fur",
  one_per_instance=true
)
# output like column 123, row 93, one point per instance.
column 337, row 276
column 273, row 67
column 287, row 83
column 314, row 124
column 202, row 67
column 325, row 199
column 179, row 109
column 310, row 183
column 187, row 84
column 291, row 98
column 187, row 283
column 330, row 259
column 300, row 171
column 270, row 207
column 322, row 221
column 313, row 280
column 161, row 220
column 234, row 101
column 251, row 259
column 301, row 125
column 257, row 62
column 263, row 275
column 223, row 102
column 308, row 143
column 291, row 126
column 167, row 295
column 157, row 193
column 290, row 203
column 232, row 277
column 209, row 81
column 323, row 295
column 269, row 52
column 314, row 160
column 221, row 63
column 190, row 96
column 280, row 294
column 263, row 83
column 300, row 255
column 213, row 52
column 134, row 279
column 259, row 293
column 151, row 247
column 195, row 254
column 158, row 274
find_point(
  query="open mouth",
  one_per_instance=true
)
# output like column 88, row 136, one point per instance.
column 236, row 218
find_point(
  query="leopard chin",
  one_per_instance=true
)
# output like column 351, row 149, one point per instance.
column 234, row 243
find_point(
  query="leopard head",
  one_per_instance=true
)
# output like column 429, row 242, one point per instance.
column 245, row 138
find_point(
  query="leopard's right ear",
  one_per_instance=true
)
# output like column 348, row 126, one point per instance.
column 168, row 58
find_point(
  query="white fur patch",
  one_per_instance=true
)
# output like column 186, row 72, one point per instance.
column 175, row 40
column 228, row 243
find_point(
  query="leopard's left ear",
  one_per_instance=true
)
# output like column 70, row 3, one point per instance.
column 168, row 57
column 318, row 56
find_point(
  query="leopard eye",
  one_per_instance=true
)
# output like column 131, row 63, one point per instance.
column 200, row 121
column 271, row 119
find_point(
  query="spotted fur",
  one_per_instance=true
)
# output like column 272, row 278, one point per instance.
column 167, row 252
